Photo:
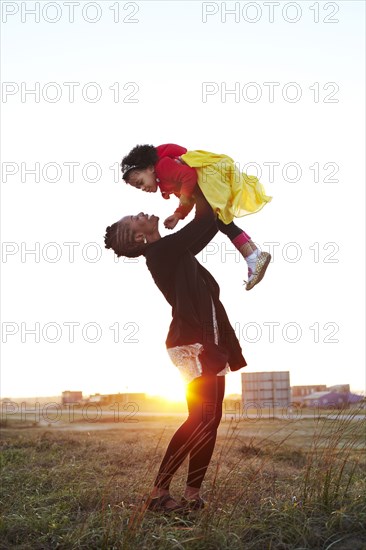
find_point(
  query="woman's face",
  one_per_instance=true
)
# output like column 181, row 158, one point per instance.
column 144, row 180
column 141, row 224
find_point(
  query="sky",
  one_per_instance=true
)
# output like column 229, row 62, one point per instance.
column 278, row 86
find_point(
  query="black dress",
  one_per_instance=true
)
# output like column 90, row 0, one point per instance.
column 190, row 289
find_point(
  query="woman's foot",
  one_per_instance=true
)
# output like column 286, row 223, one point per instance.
column 165, row 504
column 193, row 504
column 191, row 499
column 191, row 492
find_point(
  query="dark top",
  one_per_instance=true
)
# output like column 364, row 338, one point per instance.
column 188, row 287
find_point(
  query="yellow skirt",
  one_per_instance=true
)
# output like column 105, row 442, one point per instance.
column 231, row 193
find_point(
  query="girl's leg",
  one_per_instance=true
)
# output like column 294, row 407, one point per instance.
column 256, row 259
column 195, row 434
column 200, row 457
column 238, row 237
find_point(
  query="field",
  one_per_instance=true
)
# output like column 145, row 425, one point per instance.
column 273, row 484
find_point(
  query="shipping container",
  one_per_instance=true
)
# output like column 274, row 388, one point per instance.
column 266, row 388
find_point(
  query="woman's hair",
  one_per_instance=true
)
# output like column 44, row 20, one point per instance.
column 139, row 158
column 120, row 239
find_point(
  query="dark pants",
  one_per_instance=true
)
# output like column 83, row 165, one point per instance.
column 230, row 230
column 197, row 435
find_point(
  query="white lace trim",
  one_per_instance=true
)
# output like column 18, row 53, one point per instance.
column 185, row 358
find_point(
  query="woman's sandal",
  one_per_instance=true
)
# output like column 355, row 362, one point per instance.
column 159, row 504
column 193, row 504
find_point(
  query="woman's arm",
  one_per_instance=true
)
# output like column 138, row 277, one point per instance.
column 204, row 240
column 197, row 233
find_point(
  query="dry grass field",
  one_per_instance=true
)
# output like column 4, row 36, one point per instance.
column 272, row 484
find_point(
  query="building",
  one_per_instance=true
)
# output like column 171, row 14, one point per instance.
column 340, row 388
column 71, row 397
column 114, row 398
column 266, row 389
column 332, row 398
column 338, row 396
column 298, row 393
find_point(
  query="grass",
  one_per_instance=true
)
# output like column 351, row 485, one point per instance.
column 272, row 484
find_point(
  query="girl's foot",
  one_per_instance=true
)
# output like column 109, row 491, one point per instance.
column 256, row 273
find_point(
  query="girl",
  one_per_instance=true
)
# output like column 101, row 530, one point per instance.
column 201, row 341
column 174, row 170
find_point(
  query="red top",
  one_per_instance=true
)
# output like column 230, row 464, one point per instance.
column 175, row 177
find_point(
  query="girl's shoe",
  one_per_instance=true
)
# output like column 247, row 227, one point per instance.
column 193, row 504
column 159, row 504
column 260, row 268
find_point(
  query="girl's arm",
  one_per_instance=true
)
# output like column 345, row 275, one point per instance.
column 185, row 179
column 185, row 206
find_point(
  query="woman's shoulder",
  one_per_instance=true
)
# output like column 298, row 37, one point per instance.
column 162, row 263
column 161, row 246
column 164, row 255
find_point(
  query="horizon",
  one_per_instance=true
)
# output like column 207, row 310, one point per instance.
column 159, row 396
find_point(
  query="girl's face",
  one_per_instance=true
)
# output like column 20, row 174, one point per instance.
column 144, row 180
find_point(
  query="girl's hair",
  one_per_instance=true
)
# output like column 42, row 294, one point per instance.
column 139, row 158
column 119, row 240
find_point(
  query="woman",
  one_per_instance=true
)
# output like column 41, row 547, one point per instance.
column 201, row 342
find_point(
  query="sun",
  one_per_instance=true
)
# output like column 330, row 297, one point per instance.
column 169, row 386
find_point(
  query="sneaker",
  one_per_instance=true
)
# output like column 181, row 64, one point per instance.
column 260, row 268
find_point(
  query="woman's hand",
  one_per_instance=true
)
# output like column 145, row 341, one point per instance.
column 172, row 221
